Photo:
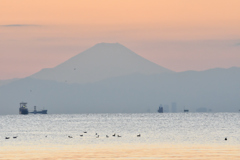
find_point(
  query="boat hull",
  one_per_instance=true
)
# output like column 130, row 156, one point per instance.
column 39, row 112
column 23, row 111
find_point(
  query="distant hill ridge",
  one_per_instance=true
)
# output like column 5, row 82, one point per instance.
column 102, row 61
column 217, row 90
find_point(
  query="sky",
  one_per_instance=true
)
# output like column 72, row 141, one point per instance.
column 177, row 34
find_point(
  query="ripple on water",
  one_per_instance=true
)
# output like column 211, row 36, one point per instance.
column 170, row 128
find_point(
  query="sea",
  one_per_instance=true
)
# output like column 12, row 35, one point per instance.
column 121, row 136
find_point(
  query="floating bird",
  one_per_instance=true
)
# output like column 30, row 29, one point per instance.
column 70, row 137
column 15, row 137
column 139, row 135
column 97, row 136
column 85, row 132
column 81, row 135
column 114, row 135
column 226, row 139
column 45, row 136
column 119, row 136
column 7, row 137
column 107, row 136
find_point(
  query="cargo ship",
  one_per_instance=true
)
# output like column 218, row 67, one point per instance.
column 23, row 108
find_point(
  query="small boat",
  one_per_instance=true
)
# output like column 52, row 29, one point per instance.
column 23, row 108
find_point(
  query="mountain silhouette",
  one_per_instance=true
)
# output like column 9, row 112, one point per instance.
column 102, row 61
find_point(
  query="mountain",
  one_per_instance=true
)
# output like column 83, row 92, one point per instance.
column 215, row 89
column 102, row 61
column 4, row 82
column 109, row 78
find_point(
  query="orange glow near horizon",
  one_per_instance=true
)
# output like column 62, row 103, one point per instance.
column 45, row 33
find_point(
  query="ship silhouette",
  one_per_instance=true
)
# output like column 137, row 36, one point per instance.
column 24, row 110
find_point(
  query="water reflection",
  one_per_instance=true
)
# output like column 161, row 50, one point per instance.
column 177, row 128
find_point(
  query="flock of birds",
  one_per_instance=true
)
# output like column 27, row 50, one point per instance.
column 107, row 136
column 81, row 135
column 97, row 136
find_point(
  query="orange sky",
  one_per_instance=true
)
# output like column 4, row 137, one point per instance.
column 127, row 13
column 177, row 34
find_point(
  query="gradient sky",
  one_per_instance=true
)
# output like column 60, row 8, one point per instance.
column 177, row 34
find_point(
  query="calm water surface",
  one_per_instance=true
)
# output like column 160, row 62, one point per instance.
column 170, row 128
